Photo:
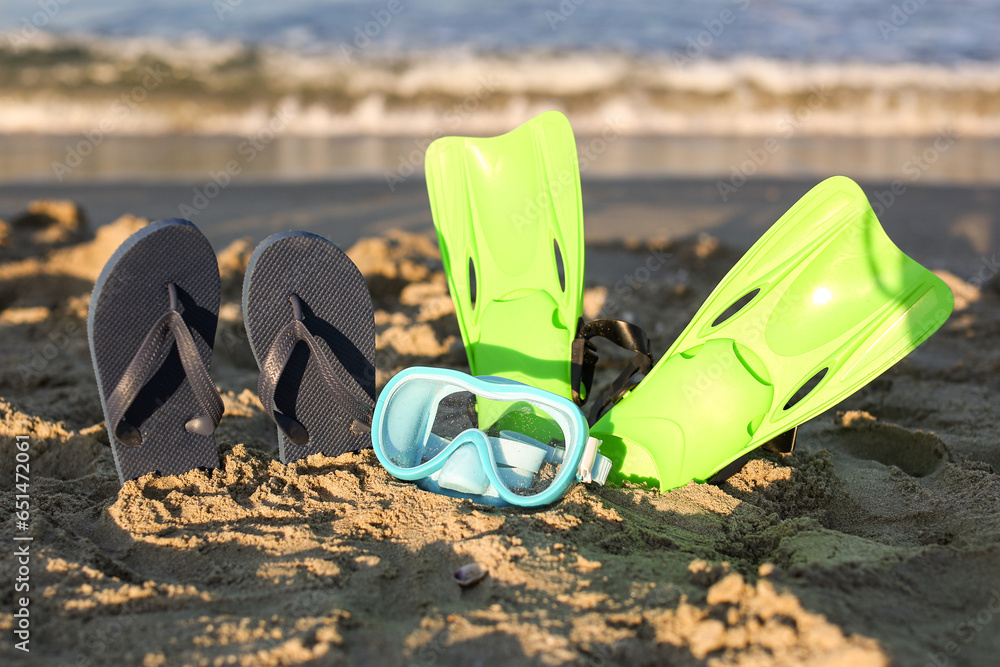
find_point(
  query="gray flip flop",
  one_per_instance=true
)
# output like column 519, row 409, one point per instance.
column 151, row 326
column 311, row 327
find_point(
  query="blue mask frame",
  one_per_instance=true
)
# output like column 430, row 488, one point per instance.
column 411, row 418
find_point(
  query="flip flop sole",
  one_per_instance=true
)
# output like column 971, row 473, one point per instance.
column 130, row 296
column 337, row 308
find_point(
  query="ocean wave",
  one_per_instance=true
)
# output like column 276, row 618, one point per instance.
column 67, row 85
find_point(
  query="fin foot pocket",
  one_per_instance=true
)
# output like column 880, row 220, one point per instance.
column 700, row 415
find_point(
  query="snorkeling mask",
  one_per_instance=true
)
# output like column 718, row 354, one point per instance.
column 494, row 440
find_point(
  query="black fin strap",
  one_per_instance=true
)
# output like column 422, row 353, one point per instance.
column 783, row 443
column 625, row 335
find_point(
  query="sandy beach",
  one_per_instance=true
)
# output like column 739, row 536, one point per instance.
column 876, row 543
column 945, row 225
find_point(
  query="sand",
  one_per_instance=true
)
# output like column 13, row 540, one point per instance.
column 877, row 542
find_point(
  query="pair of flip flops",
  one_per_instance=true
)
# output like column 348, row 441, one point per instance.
column 152, row 322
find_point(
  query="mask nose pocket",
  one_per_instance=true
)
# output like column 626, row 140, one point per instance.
column 463, row 472
column 519, row 457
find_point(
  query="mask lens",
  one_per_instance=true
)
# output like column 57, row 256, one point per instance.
column 528, row 444
column 455, row 413
column 405, row 437
column 423, row 416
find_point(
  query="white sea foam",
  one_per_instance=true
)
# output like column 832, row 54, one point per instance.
column 69, row 85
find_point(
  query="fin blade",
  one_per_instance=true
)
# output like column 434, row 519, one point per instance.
column 831, row 291
column 890, row 336
column 510, row 203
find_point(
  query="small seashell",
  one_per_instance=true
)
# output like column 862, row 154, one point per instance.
column 469, row 575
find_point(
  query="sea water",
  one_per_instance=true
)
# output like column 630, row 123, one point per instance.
column 305, row 89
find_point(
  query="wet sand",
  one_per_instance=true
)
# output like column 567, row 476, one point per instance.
column 877, row 542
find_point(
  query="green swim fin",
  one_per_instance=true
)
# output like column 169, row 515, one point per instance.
column 820, row 305
column 509, row 219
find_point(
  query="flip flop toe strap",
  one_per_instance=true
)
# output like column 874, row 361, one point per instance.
column 320, row 353
column 169, row 330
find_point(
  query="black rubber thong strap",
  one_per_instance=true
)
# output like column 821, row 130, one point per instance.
column 623, row 334
column 152, row 352
column 273, row 367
